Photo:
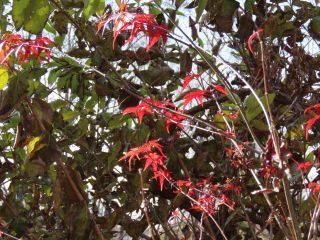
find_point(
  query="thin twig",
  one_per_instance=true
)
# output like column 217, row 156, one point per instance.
column 8, row 235
column 276, row 144
column 145, row 207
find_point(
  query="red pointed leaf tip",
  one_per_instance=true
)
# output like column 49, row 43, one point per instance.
column 314, row 187
column 152, row 153
column 134, row 23
column 137, row 152
column 254, row 35
column 303, row 166
column 188, row 79
column 23, row 49
column 221, row 89
column 313, row 120
column 148, row 106
column 198, row 95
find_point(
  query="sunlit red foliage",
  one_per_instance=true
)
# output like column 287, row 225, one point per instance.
column 198, row 95
column 314, row 187
column 134, row 23
column 144, row 149
column 188, row 79
column 210, row 196
column 152, row 158
column 312, row 120
column 221, row 89
column 149, row 106
column 141, row 110
column 304, row 166
column 23, row 49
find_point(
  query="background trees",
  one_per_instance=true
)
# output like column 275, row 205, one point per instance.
column 155, row 119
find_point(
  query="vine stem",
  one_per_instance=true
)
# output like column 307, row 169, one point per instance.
column 8, row 235
column 127, row 88
column 314, row 220
column 200, row 205
column 276, row 144
column 226, row 84
column 145, row 207
column 223, row 81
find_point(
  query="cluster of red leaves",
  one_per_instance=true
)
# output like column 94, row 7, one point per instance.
column 208, row 196
column 134, row 23
column 162, row 108
column 152, row 158
column 23, row 49
column 188, row 79
column 198, row 94
column 303, row 166
column 312, row 120
column 238, row 160
column 254, row 35
column 314, row 187
column 269, row 168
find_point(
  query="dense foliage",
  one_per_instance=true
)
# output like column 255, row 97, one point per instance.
column 166, row 119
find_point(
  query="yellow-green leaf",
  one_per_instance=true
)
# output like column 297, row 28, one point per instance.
column 32, row 143
column 4, row 77
column 31, row 14
column 69, row 115
column 92, row 7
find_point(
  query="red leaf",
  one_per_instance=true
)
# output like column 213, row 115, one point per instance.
column 198, row 95
column 134, row 23
column 23, row 49
column 140, row 110
column 161, row 175
column 315, row 107
column 175, row 119
column 253, row 36
column 313, row 120
column 310, row 123
column 188, row 79
column 221, row 89
column 144, row 149
column 154, row 160
column 156, row 33
column 303, row 166
column 184, row 183
column 314, row 187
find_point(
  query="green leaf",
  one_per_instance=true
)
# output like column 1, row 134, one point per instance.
column 199, row 10
column 31, row 14
column 228, row 8
column 117, row 121
column 253, row 109
column 4, row 77
column 315, row 27
column 92, row 7
column 69, row 115
column 53, row 76
column 260, row 125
